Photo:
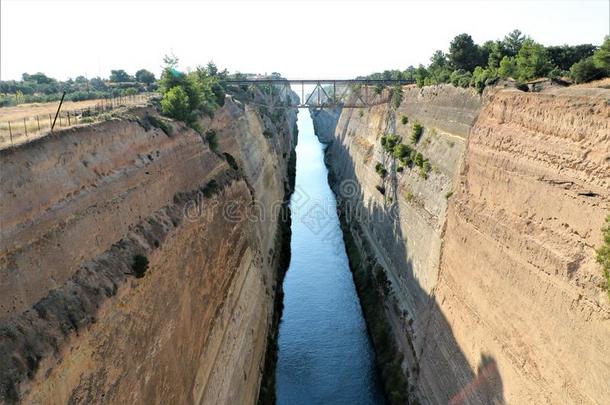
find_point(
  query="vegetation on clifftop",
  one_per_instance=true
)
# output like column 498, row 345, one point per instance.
column 516, row 56
column 187, row 96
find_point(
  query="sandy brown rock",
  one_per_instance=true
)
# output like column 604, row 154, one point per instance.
column 496, row 293
column 76, row 326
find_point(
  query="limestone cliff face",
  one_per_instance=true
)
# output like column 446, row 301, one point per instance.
column 77, row 325
column 496, row 295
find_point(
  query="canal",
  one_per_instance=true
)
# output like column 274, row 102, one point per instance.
column 325, row 355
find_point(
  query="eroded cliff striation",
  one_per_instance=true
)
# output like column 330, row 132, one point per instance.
column 495, row 293
column 79, row 323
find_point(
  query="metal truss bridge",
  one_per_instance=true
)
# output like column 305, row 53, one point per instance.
column 331, row 93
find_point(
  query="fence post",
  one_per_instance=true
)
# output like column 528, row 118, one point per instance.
column 38, row 121
column 10, row 132
column 25, row 127
column 69, row 118
column 50, row 122
column 57, row 113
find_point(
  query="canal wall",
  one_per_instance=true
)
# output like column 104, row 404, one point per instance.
column 130, row 268
column 489, row 249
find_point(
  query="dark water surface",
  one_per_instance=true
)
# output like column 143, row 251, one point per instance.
column 325, row 355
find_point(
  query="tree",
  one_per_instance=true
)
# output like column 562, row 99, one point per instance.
column 496, row 52
column 601, row 57
column 119, row 76
column 144, row 76
column 532, row 61
column 170, row 61
column 438, row 60
column 513, row 42
column 508, row 67
column 481, row 77
column 565, row 56
column 97, row 83
column 438, row 69
column 460, row 78
column 421, row 73
column 585, row 71
column 396, row 92
column 213, row 70
column 409, row 74
column 38, row 78
column 464, row 53
column 175, row 104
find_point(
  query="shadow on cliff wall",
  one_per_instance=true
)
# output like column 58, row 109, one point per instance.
column 443, row 374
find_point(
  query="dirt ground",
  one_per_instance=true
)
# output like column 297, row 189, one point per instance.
column 22, row 111
column 26, row 122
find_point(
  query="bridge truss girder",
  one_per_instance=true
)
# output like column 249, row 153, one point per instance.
column 356, row 93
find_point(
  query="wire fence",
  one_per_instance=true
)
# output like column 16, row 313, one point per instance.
column 23, row 129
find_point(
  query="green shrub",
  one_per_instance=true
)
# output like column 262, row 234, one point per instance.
column 585, row 71
column 161, row 124
column 419, row 160
column 402, row 152
column 212, row 138
column 603, row 254
column 144, row 76
column 130, row 92
column 426, row 166
column 396, row 96
column 231, row 161
column 448, row 194
column 404, row 120
column 388, row 142
column 175, row 104
column 381, row 170
column 139, row 265
column 361, row 113
column 187, row 96
column 381, row 189
column 409, row 196
column 601, row 57
column 209, row 189
column 416, row 132
column 508, row 67
column 532, row 61
column 480, row 77
column 425, row 169
column 460, row 78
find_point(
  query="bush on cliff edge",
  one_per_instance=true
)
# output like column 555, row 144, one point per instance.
column 603, row 254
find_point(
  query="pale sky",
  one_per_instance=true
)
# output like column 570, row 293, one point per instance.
column 299, row 39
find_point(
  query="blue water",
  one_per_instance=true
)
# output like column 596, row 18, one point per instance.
column 325, row 355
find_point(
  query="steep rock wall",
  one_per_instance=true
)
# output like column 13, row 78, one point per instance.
column 473, row 274
column 519, row 281
column 76, row 325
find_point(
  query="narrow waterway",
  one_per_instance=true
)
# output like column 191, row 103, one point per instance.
column 325, row 354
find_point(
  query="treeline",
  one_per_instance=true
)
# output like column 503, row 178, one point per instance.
column 516, row 56
column 39, row 88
